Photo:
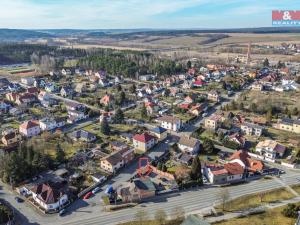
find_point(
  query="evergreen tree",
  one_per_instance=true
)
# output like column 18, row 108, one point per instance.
column 119, row 116
column 104, row 127
column 208, row 145
column 189, row 64
column 60, row 154
column 196, row 173
column 132, row 89
column 144, row 111
column 266, row 63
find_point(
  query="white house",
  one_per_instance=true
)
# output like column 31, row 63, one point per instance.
column 47, row 124
column 30, row 128
column 49, row 198
column 189, row 144
column 170, row 123
column 270, row 149
column 27, row 81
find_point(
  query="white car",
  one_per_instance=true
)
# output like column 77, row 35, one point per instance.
column 96, row 190
column 204, row 114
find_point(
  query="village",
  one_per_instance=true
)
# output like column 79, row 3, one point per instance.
column 214, row 125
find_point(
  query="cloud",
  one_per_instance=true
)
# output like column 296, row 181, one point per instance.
column 125, row 13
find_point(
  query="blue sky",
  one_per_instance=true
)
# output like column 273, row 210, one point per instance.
column 97, row 14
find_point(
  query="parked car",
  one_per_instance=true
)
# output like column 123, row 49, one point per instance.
column 88, row 195
column 97, row 189
column 204, row 114
column 62, row 212
column 19, row 200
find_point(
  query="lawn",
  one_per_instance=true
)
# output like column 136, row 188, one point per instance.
column 282, row 136
column 254, row 200
column 270, row 217
column 296, row 188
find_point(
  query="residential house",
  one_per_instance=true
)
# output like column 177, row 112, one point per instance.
column 4, row 106
column 170, row 122
column 189, row 145
column 47, row 124
column 228, row 173
column 187, row 84
column 289, row 125
column 118, row 145
column 46, row 99
column 104, row 82
column 198, row 109
column 151, row 107
column 243, row 158
column 30, row 128
column 213, row 122
column 49, row 197
column 71, row 105
column 213, row 96
column 185, row 158
column 237, row 138
column 39, row 83
column 60, row 122
column 32, row 90
column 25, row 99
column 106, row 115
column 51, row 88
column 145, row 77
column 27, row 81
column 11, row 138
column 66, row 92
column 270, row 149
column 80, row 88
column 198, row 83
column 66, row 72
column 116, row 160
column 137, row 190
column 107, row 99
column 118, row 80
column 83, row 135
column 159, row 132
column 251, row 129
column 257, row 86
column 143, row 142
column 75, row 116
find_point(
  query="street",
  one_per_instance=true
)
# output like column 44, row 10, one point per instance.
column 192, row 200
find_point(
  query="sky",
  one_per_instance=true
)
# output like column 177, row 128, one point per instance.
column 122, row 14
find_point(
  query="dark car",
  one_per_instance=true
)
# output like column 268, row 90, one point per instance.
column 19, row 200
column 62, row 212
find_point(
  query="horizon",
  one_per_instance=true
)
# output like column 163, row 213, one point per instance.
column 134, row 14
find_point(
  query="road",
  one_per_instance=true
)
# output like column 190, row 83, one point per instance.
column 193, row 200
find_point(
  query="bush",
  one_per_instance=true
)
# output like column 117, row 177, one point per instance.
column 291, row 210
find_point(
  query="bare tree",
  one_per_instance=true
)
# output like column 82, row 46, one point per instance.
column 224, row 197
column 141, row 216
column 160, row 216
column 178, row 213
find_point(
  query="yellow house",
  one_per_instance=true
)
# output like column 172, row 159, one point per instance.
column 143, row 142
column 213, row 121
column 289, row 125
column 159, row 132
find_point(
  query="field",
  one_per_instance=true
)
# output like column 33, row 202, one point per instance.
column 252, row 201
column 270, row 217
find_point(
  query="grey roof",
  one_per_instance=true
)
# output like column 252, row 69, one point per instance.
column 252, row 125
column 144, row 184
column 290, row 121
column 188, row 141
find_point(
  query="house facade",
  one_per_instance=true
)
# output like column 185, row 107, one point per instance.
column 143, row 142
column 30, row 128
column 252, row 129
column 170, row 123
column 289, row 125
column 189, row 144
column 270, row 149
